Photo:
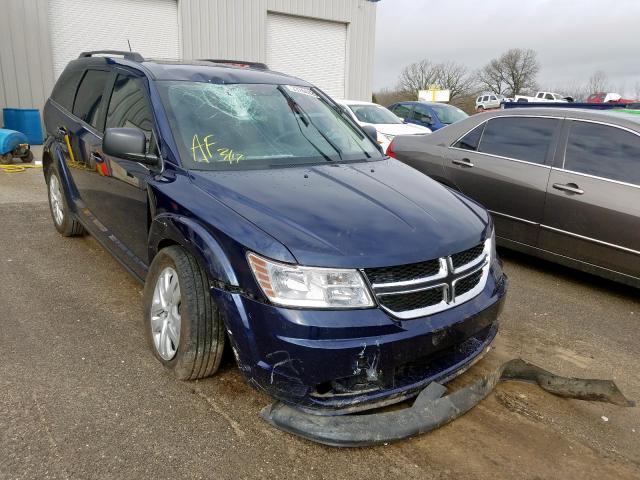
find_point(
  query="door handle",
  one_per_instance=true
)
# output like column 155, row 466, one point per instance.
column 465, row 162
column 96, row 157
column 568, row 187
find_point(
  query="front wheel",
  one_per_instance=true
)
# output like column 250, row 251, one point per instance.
column 182, row 324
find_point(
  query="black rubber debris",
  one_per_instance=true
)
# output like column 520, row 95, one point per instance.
column 431, row 410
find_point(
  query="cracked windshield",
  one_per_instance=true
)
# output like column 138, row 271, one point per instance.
column 244, row 126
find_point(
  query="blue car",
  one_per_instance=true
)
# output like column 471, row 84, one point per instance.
column 432, row 115
column 260, row 217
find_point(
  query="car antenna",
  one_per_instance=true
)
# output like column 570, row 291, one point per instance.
column 129, row 45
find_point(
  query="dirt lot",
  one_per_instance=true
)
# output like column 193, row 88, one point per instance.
column 81, row 397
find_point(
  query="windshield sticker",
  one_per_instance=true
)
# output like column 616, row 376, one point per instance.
column 202, row 152
column 301, row 90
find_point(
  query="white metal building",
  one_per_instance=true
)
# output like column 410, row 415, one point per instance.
column 327, row 42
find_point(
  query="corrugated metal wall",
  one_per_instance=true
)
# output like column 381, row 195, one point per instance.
column 26, row 70
column 210, row 28
column 237, row 29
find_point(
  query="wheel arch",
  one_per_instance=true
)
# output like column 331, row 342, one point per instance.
column 170, row 229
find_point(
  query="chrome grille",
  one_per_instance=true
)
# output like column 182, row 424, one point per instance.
column 403, row 273
column 425, row 288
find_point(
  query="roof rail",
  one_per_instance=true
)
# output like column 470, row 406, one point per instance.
column 133, row 56
column 237, row 63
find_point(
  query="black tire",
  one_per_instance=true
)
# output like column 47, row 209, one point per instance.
column 202, row 332
column 28, row 157
column 69, row 226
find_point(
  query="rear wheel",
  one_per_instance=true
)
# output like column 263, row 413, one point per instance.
column 63, row 219
column 182, row 324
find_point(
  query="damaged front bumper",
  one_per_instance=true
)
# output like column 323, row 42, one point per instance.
column 431, row 410
column 341, row 362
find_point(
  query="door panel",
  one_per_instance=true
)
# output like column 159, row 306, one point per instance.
column 513, row 190
column 123, row 183
column 593, row 207
column 85, row 134
column 606, row 213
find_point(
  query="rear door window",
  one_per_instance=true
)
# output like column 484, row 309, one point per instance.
column 520, row 138
column 88, row 100
column 471, row 140
column 603, row 151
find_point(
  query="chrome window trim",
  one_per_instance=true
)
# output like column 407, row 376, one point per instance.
column 605, row 124
column 543, row 165
column 590, row 239
column 596, row 177
column 500, row 156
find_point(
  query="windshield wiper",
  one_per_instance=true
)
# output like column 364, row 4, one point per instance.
column 354, row 126
column 306, row 119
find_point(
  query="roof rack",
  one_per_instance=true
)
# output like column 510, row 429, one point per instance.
column 133, row 56
column 237, row 63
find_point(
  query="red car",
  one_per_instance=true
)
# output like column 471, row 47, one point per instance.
column 602, row 97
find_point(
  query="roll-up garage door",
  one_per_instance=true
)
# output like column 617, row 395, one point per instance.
column 80, row 25
column 314, row 50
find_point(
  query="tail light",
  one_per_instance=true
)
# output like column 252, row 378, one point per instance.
column 390, row 151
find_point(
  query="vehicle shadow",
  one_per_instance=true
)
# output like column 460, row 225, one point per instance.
column 571, row 275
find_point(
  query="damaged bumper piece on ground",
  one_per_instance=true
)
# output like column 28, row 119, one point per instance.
column 430, row 409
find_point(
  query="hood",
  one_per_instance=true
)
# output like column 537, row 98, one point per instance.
column 354, row 215
column 401, row 129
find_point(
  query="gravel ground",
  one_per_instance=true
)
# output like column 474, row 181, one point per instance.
column 81, row 397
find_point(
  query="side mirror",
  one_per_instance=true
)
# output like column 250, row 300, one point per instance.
column 129, row 144
column 371, row 132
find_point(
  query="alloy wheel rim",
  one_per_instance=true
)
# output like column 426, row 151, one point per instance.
column 55, row 196
column 165, row 314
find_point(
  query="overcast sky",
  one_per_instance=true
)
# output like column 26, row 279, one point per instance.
column 573, row 38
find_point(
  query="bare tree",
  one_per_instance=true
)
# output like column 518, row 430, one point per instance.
column 418, row 76
column 491, row 77
column 425, row 74
column 598, row 83
column 455, row 78
column 513, row 73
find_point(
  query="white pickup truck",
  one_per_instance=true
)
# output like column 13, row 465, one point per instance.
column 543, row 97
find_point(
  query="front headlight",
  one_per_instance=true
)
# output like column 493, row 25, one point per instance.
column 295, row 286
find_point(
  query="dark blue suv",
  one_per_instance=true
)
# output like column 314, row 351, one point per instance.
column 262, row 218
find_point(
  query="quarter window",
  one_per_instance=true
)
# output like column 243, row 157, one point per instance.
column 471, row 140
column 65, row 89
column 521, row 138
column 603, row 151
column 89, row 97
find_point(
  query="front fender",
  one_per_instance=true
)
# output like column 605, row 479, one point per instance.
column 197, row 240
